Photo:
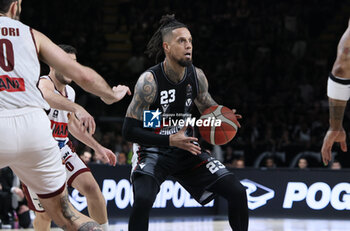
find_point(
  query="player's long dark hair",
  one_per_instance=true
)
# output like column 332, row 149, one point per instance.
column 5, row 5
column 168, row 23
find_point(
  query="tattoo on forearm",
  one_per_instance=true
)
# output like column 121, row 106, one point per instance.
column 144, row 95
column 66, row 210
column 204, row 99
column 336, row 113
column 89, row 226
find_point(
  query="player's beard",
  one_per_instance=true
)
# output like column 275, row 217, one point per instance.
column 61, row 79
column 184, row 63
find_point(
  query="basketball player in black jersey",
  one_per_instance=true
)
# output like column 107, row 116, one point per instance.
column 172, row 87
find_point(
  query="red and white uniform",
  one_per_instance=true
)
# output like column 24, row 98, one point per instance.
column 26, row 142
column 59, row 118
column 59, row 125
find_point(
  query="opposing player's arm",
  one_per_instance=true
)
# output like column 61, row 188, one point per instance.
column 203, row 99
column 102, row 153
column 57, row 101
column 84, row 76
column 144, row 95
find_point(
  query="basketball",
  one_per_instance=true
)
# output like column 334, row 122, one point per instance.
column 219, row 125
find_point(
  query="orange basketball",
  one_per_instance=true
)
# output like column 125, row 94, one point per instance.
column 219, row 125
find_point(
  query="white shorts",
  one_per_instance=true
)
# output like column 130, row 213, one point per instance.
column 28, row 148
column 74, row 167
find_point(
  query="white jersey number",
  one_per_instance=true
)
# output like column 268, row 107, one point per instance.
column 7, row 60
column 167, row 96
column 214, row 166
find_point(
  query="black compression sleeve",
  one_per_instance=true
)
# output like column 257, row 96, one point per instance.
column 133, row 131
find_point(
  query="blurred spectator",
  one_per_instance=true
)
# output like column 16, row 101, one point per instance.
column 270, row 162
column 303, row 163
column 238, row 163
column 12, row 200
column 86, row 156
column 336, row 165
column 228, row 155
column 122, row 159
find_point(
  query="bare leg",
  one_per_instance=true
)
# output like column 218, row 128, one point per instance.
column 65, row 216
column 42, row 222
column 86, row 184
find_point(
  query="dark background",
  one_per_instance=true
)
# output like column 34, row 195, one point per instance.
column 268, row 59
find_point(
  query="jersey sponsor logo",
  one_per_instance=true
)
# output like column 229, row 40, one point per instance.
column 318, row 196
column 142, row 165
column 151, row 118
column 257, row 194
column 59, row 130
column 10, row 84
column 55, row 114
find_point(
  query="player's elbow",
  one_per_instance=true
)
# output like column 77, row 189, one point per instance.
column 83, row 77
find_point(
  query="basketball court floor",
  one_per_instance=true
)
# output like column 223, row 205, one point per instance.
column 256, row 224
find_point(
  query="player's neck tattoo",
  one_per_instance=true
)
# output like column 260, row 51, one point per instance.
column 172, row 74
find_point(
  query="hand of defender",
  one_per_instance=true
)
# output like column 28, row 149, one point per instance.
column 328, row 141
column 119, row 92
column 182, row 141
column 106, row 156
column 86, row 119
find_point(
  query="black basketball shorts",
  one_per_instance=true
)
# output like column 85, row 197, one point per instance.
column 196, row 173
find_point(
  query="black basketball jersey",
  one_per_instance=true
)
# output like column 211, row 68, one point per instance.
column 174, row 100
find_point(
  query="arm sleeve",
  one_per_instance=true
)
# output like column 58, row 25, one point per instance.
column 133, row 131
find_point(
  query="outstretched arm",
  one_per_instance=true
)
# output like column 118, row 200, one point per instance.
column 62, row 103
column 102, row 153
column 204, row 99
column 144, row 95
column 84, row 76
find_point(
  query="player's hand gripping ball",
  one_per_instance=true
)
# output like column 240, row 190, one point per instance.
column 219, row 125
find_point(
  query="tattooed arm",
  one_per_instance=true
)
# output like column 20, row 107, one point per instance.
column 336, row 114
column 144, row 95
column 336, row 131
column 204, row 99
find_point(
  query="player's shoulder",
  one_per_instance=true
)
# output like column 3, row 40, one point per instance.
column 46, row 80
column 70, row 90
column 146, row 77
column 45, row 77
column 199, row 73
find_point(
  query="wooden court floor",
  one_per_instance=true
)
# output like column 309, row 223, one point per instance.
column 255, row 224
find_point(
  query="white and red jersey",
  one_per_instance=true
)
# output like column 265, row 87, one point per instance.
column 59, row 118
column 19, row 67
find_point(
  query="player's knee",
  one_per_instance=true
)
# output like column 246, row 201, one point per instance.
column 90, row 190
column 41, row 218
column 143, row 200
column 233, row 189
